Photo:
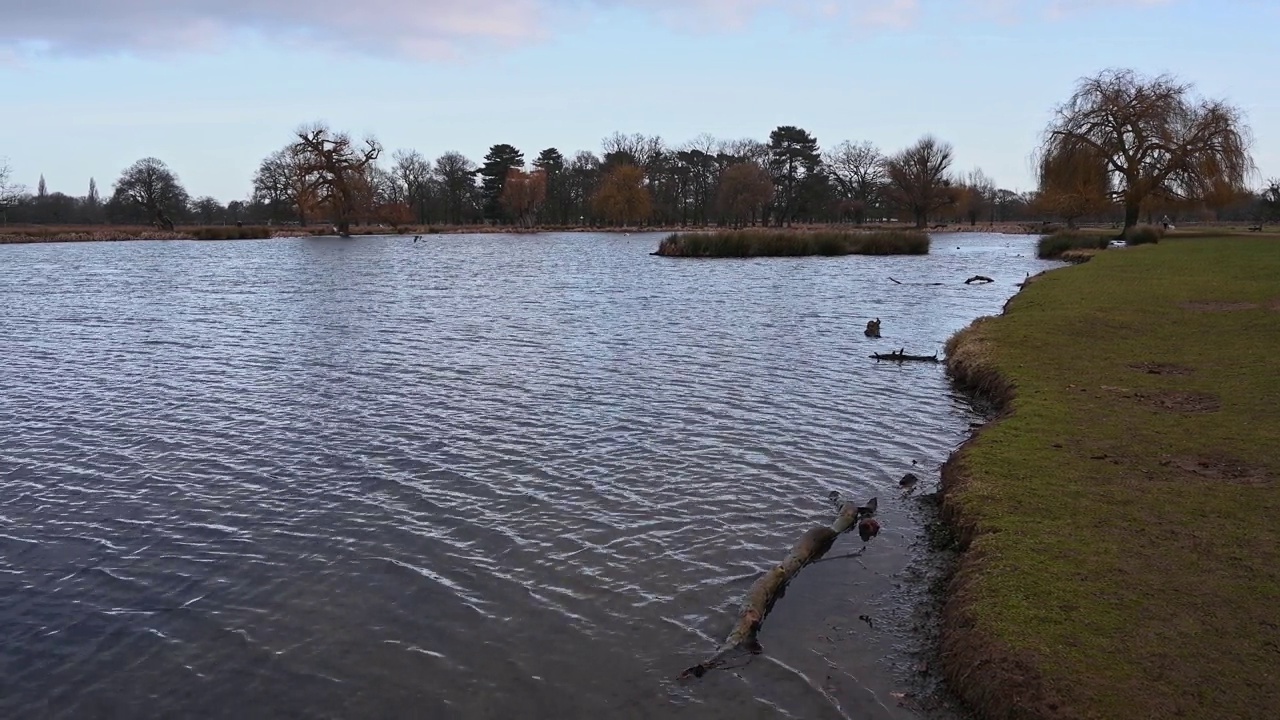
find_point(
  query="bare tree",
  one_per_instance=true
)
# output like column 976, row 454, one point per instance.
column 283, row 182
column 746, row 149
column 979, row 196
column 456, row 175
column 636, row 149
column 337, row 165
column 152, row 187
column 9, row 191
column 1270, row 197
column 918, row 179
column 1157, row 140
column 413, row 171
column 857, row 170
column 208, row 210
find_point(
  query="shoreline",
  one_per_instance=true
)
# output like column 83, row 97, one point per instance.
column 1066, row 550
column 34, row 235
column 987, row 676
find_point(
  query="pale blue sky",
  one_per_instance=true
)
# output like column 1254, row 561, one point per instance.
column 212, row 87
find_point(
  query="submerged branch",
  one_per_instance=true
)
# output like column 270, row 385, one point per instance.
column 769, row 587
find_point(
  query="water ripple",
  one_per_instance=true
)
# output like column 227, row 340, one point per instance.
column 472, row 476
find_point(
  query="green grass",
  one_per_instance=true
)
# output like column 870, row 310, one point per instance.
column 1052, row 246
column 1134, row 584
column 790, row 243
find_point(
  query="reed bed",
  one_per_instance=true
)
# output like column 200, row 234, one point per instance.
column 793, row 243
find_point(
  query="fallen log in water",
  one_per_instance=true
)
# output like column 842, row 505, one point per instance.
column 978, row 279
column 900, row 356
column 769, row 587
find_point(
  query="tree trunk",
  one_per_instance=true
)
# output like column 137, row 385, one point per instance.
column 1132, row 208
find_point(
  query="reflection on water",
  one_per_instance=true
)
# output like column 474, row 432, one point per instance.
column 472, row 477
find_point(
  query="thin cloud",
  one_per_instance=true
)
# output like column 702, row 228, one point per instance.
column 420, row 29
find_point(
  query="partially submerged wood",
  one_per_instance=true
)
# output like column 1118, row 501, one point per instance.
column 978, row 279
column 766, row 590
column 873, row 328
column 901, row 356
column 933, row 284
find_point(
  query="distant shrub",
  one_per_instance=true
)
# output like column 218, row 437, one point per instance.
column 230, row 232
column 1052, row 246
column 792, row 243
column 1143, row 235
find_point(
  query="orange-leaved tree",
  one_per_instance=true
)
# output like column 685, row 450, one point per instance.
column 523, row 194
column 623, row 198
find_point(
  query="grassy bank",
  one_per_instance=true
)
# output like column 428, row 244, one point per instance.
column 1121, row 522
column 790, row 243
column 1052, row 247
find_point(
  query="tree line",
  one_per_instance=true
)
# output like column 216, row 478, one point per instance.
column 1121, row 146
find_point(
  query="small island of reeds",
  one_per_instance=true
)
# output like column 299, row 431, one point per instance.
column 792, row 243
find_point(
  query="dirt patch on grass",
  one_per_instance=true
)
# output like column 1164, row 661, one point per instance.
column 1181, row 402
column 1077, row 257
column 1221, row 468
column 1274, row 305
column 1217, row 306
column 1176, row 401
column 1156, row 368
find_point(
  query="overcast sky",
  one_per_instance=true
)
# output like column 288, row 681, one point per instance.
column 212, row 86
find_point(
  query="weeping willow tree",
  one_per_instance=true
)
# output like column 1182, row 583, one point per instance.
column 1074, row 183
column 1150, row 139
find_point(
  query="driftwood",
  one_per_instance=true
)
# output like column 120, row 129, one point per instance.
column 978, row 279
column 873, row 328
column 766, row 590
column 901, row 356
column 899, row 282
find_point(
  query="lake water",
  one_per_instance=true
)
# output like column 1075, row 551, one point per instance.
column 470, row 477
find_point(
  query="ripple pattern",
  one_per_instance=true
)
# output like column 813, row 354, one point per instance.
column 475, row 477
